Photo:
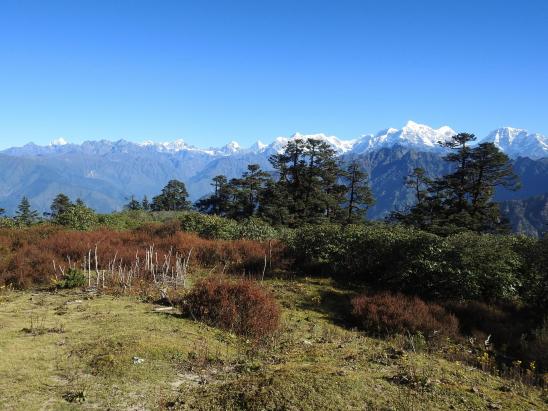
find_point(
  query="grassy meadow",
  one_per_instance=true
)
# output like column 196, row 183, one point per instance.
column 76, row 350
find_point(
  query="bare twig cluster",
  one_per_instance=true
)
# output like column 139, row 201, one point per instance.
column 164, row 271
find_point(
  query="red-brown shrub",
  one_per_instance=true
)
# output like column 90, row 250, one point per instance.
column 27, row 255
column 387, row 313
column 241, row 306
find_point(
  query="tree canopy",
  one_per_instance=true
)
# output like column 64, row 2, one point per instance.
column 172, row 198
column 462, row 199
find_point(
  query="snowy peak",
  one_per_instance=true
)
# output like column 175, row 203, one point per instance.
column 412, row 135
column 258, row 147
column 340, row 146
column 514, row 142
column 231, row 148
column 174, row 146
column 517, row 142
column 58, row 142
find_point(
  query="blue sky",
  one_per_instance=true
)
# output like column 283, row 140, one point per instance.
column 212, row 71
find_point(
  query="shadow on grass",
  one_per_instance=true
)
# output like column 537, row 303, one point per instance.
column 335, row 305
column 172, row 314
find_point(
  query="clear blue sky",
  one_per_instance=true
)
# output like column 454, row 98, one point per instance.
column 212, row 71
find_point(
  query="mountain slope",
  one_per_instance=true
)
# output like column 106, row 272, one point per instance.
column 105, row 174
column 517, row 142
column 412, row 135
column 387, row 168
column 527, row 216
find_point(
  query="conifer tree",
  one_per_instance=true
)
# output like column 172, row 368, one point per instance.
column 462, row 199
column 133, row 204
column 358, row 194
column 217, row 203
column 489, row 168
column 173, row 197
column 145, row 204
column 59, row 205
column 308, row 188
column 25, row 215
column 246, row 191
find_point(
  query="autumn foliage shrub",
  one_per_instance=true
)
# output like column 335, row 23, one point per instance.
column 241, row 306
column 27, row 255
column 397, row 313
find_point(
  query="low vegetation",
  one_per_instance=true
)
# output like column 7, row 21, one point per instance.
column 240, row 306
column 74, row 349
column 397, row 313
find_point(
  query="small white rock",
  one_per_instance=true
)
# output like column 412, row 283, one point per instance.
column 137, row 360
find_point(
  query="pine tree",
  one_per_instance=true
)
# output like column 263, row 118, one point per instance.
column 489, row 168
column 462, row 199
column 25, row 216
column 456, row 184
column 133, row 204
column 358, row 194
column 246, row 191
column 173, row 197
column 274, row 204
column 290, row 166
column 59, row 205
column 426, row 204
column 145, row 205
column 308, row 188
column 217, row 203
column 323, row 193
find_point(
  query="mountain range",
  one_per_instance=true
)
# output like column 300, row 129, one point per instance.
column 106, row 173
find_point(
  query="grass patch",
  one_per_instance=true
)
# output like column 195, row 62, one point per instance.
column 315, row 361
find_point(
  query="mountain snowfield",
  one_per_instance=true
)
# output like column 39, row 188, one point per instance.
column 513, row 141
column 517, row 142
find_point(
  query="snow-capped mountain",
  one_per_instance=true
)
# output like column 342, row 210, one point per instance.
column 340, row 146
column 412, row 135
column 516, row 142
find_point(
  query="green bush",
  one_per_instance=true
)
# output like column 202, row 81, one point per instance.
column 220, row 228
column 209, row 226
column 72, row 279
column 126, row 220
column 6, row 222
column 78, row 217
column 462, row 266
column 534, row 284
column 256, row 229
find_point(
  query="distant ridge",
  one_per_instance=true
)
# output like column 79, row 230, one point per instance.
column 105, row 174
column 513, row 141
